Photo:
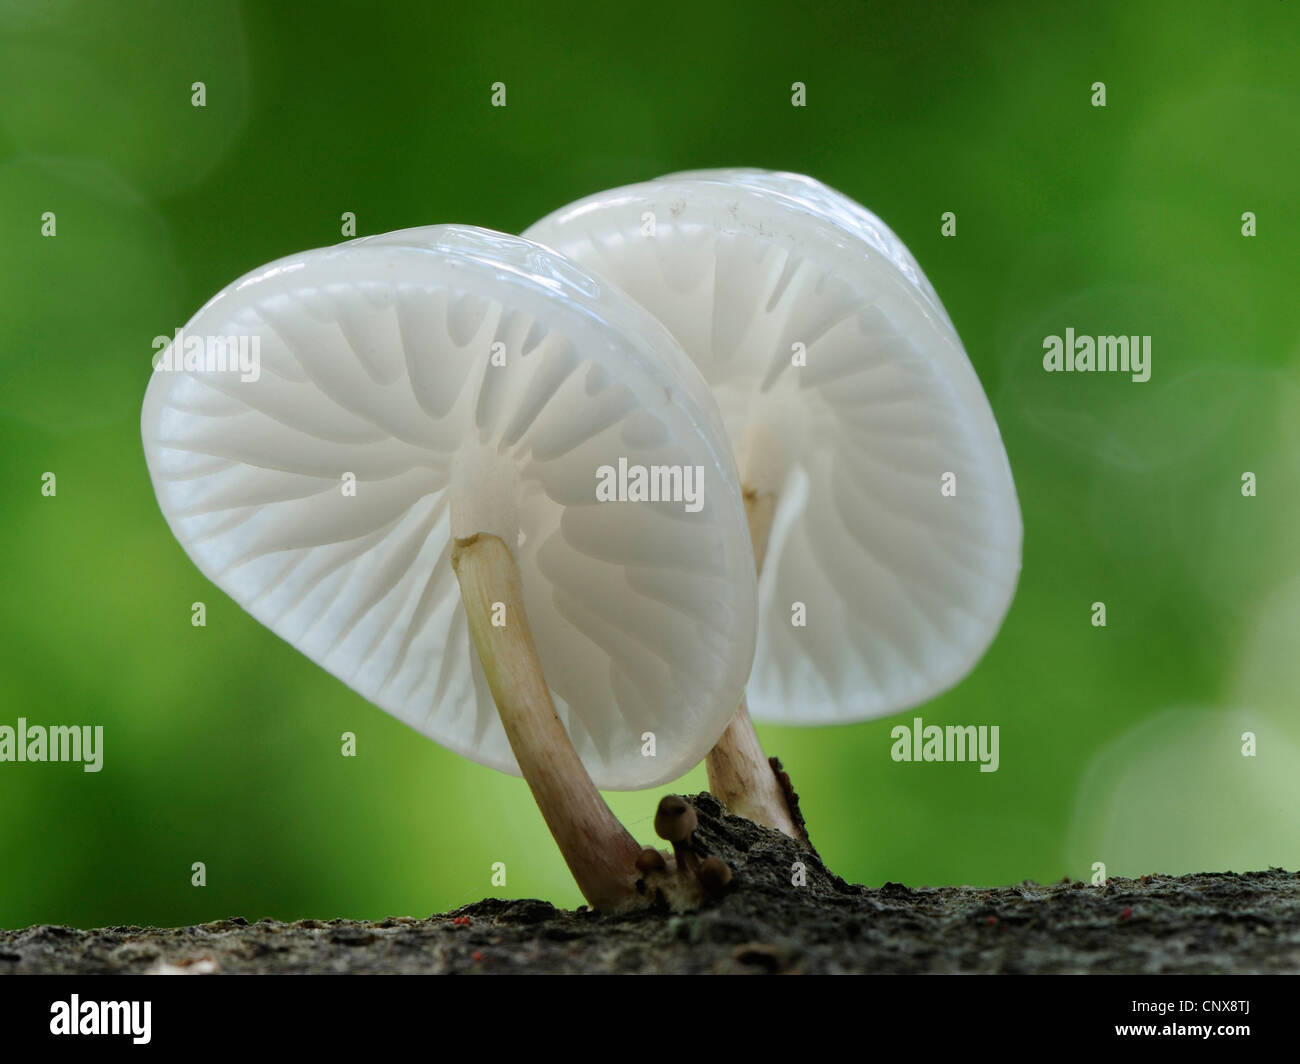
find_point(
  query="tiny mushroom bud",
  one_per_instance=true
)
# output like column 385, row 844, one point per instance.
column 879, row 495
column 714, row 875
column 650, row 860
column 471, row 583
column 675, row 819
column 675, row 822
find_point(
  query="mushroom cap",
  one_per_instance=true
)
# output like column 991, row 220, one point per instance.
column 376, row 361
column 675, row 818
column 903, row 587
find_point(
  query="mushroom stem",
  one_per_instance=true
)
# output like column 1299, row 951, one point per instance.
column 760, row 506
column 598, row 850
column 742, row 778
column 675, row 822
column 740, row 775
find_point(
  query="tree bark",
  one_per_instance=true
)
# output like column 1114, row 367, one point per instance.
column 1220, row 923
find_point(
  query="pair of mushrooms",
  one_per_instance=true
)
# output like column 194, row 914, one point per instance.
column 407, row 491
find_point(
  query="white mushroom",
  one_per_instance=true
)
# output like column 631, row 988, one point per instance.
column 881, row 501
column 433, row 407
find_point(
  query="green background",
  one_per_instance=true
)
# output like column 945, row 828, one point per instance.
column 1120, row 745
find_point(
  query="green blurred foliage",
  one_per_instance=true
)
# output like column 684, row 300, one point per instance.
column 222, row 743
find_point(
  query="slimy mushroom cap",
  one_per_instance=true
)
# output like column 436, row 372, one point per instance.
column 895, row 536
column 433, row 384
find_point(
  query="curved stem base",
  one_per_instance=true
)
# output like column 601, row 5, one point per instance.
column 742, row 779
column 598, row 850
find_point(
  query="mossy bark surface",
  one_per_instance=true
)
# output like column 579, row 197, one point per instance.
column 1214, row 923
